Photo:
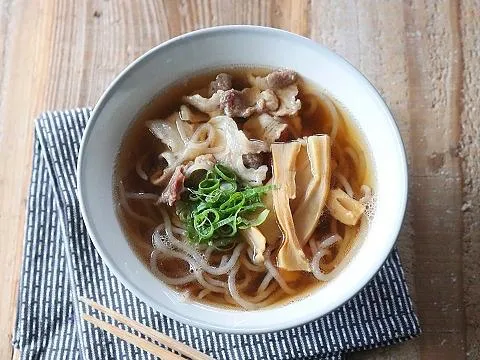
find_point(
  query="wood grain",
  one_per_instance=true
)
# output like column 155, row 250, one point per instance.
column 422, row 56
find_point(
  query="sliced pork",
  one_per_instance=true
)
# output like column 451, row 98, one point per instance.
column 172, row 191
column 222, row 82
column 277, row 79
column 209, row 105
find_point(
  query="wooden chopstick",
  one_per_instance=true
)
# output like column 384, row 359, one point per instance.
column 133, row 339
column 147, row 331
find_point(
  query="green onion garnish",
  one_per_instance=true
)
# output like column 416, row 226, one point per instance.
column 221, row 205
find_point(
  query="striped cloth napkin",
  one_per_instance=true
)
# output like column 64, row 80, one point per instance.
column 60, row 263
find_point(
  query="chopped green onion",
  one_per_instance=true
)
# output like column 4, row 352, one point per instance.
column 225, row 173
column 208, row 185
column 233, row 204
column 220, row 206
column 244, row 223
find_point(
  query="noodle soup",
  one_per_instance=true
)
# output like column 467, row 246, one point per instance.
column 243, row 187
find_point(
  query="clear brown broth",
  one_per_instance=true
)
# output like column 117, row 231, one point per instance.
column 138, row 141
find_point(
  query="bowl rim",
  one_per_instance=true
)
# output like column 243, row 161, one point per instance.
column 110, row 92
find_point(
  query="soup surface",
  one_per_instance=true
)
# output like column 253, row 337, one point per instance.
column 243, row 187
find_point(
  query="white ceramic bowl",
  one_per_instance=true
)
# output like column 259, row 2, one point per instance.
column 222, row 47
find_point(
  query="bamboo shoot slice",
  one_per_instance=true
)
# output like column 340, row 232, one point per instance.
column 257, row 241
column 290, row 256
column 269, row 227
column 303, row 176
column 309, row 211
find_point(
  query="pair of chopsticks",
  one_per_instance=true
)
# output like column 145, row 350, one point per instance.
column 136, row 340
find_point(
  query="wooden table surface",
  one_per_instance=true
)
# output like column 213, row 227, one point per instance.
column 424, row 59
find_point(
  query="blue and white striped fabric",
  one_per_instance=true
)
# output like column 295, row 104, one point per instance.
column 60, row 263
